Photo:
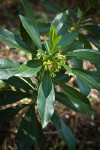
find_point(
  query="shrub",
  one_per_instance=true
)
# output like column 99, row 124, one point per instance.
column 54, row 62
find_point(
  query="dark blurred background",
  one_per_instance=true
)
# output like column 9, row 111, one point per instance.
column 9, row 10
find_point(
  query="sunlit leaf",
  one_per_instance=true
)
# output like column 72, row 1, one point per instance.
column 60, row 22
column 8, row 68
column 13, row 41
column 31, row 31
column 67, row 39
column 25, row 71
column 45, row 99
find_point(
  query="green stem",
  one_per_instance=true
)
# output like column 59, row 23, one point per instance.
column 27, row 83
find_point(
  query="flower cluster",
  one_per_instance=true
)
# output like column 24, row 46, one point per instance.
column 52, row 62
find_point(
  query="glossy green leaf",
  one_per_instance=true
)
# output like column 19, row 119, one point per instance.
column 52, row 36
column 63, row 98
column 8, row 68
column 97, row 65
column 26, row 38
column 16, row 32
column 74, row 105
column 86, row 77
column 61, row 77
column 82, row 103
column 13, row 41
column 34, row 63
column 84, row 40
column 56, row 41
column 60, row 22
column 76, row 63
column 31, row 31
column 53, row 40
column 30, row 131
column 87, row 54
column 74, row 46
column 64, row 131
column 46, row 99
column 31, row 16
column 29, row 13
column 95, row 75
column 7, row 114
column 94, row 29
column 9, row 97
column 67, row 39
column 21, row 83
column 84, row 88
column 46, row 46
column 25, row 71
column 93, row 41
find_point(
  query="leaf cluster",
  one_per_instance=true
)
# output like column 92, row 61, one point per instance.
column 37, row 79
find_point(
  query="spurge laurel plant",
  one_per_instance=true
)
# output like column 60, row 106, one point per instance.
column 54, row 62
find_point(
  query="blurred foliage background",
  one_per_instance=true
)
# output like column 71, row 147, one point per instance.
column 45, row 9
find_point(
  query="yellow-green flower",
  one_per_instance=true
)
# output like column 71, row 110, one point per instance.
column 50, row 63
